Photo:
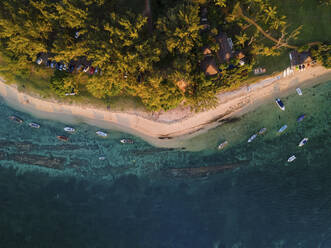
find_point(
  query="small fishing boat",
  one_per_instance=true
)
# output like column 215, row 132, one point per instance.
column 299, row 91
column 62, row 138
column 126, row 141
column 301, row 117
column 291, row 159
column 303, row 142
column 15, row 118
column 102, row 158
column 34, row 125
column 102, row 134
column 262, row 130
column 280, row 104
column 69, row 129
column 222, row 145
column 252, row 138
column 282, row 129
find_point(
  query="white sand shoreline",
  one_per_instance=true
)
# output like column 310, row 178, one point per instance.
column 173, row 125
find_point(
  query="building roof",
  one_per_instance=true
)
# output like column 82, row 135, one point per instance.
column 297, row 58
column 206, row 51
column 182, row 85
column 209, row 66
column 225, row 52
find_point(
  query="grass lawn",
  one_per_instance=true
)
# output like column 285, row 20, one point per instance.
column 315, row 18
column 316, row 21
column 273, row 64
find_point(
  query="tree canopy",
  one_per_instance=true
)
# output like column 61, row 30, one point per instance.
column 162, row 65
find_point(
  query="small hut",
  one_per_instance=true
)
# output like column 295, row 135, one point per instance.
column 297, row 58
column 209, row 66
column 225, row 52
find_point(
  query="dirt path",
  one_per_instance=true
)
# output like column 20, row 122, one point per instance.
column 148, row 12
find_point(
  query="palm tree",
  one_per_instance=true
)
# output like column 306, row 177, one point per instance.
column 271, row 12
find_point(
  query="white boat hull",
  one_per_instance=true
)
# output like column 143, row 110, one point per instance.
column 69, row 129
column 251, row 138
column 303, row 142
column 291, row 159
column 299, row 91
column 34, row 125
column 101, row 134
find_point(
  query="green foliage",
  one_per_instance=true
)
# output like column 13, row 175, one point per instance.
column 180, row 28
column 234, row 75
column 157, row 93
column 322, row 53
column 221, row 3
column 62, row 83
column 141, row 58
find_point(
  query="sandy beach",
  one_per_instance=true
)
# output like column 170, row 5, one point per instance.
column 167, row 128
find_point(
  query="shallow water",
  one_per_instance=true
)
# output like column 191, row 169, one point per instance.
column 134, row 199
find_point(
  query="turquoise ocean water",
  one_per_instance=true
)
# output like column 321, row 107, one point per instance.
column 56, row 194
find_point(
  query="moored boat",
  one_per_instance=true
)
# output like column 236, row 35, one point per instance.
column 291, row 159
column 63, row 138
column 102, row 158
column 299, row 91
column 126, row 141
column 34, row 125
column 69, row 129
column 15, row 118
column 303, row 142
column 262, row 130
column 222, row 145
column 280, row 104
column 102, row 134
column 282, row 129
column 301, row 117
column 251, row 138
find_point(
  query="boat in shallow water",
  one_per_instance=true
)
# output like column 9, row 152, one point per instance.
column 299, row 91
column 62, row 138
column 34, row 125
column 69, row 129
column 102, row 134
column 252, row 138
column 126, row 141
column 301, row 117
column 262, row 130
column 15, row 118
column 303, row 142
column 102, row 158
column 282, row 129
column 222, row 145
column 280, row 104
column 291, row 159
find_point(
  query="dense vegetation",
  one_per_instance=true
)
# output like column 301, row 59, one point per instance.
column 155, row 57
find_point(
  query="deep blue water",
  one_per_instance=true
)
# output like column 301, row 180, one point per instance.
column 132, row 199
